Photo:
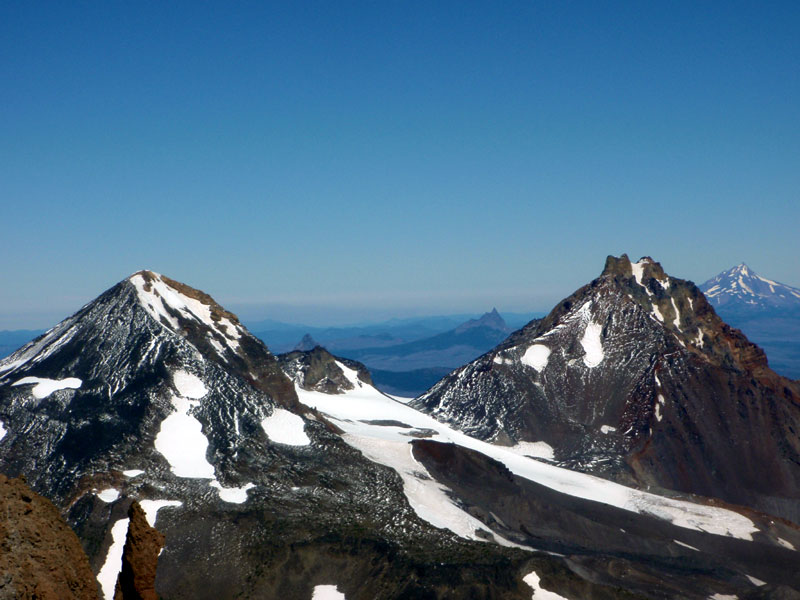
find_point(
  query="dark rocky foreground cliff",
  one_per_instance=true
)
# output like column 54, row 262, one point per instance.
column 40, row 556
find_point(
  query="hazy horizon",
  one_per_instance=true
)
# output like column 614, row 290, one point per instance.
column 371, row 157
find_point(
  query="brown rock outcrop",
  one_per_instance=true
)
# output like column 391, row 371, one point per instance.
column 137, row 578
column 40, row 556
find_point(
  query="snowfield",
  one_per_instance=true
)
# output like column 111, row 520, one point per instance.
column 284, row 427
column 536, row 356
column 389, row 445
column 44, row 387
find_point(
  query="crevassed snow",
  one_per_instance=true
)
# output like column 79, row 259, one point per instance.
column 537, row 449
column 327, row 592
column 108, row 495
column 3, row 431
column 151, row 508
column 390, row 446
column 536, row 356
column 181, row 441
column 350, row 374
column 107, row 576
column 234, row 495
column 188, row 385
column 285, row 427
column 592, row 345
column 132, row 472
column 44, row 387
column 532, row 579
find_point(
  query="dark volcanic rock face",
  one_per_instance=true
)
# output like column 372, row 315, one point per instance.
column 320, row 371
column 636, row 378
column 40, row 556
column 143, row 543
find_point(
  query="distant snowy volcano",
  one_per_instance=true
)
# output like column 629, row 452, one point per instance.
column 741, row 287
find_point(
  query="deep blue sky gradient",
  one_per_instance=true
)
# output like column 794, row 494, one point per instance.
column 349, row 160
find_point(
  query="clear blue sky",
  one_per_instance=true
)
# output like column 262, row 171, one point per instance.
column 358, row 159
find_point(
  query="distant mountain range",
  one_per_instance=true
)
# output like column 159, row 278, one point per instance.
column 768, row 312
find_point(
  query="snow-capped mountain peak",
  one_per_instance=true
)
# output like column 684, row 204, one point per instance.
column 743, row 287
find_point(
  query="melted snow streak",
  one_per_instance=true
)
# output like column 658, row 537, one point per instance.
column 44, row 387
column 532, row 579
column 284, row 427
column 358, row 410
column 592, row 345
column 536, row 357
column 327, row 592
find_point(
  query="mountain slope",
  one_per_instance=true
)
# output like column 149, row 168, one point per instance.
column 154, row 393
column 634, row 377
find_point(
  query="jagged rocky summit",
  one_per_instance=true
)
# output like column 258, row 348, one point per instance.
column 634, row 377
column 306, row 343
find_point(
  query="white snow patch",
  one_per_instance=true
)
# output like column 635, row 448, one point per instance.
column 786, row 544
column 327, row 592
column 188, row 385
column 592, row 345
column 235, row 495
column 3, row 431
column 132, row 472
column 537, row 449
column 536, row 356
column 350, row 374
column 755, row 580
column 607, row 429
column 686, row 545
column 677, row 320
column 390, row 446
column 532, row 579
column 151, row 508
column 108, row 495
column 501, row 360
column 284, row 427
column 638, row 272
column 44, row 387
column 107, row 577
column 698, row 341
column 657, row 312
column 723, row 597
column 181, row 441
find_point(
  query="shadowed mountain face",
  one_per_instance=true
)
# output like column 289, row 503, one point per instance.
column 634, row 377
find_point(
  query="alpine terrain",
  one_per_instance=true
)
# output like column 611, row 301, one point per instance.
column 294, row 477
